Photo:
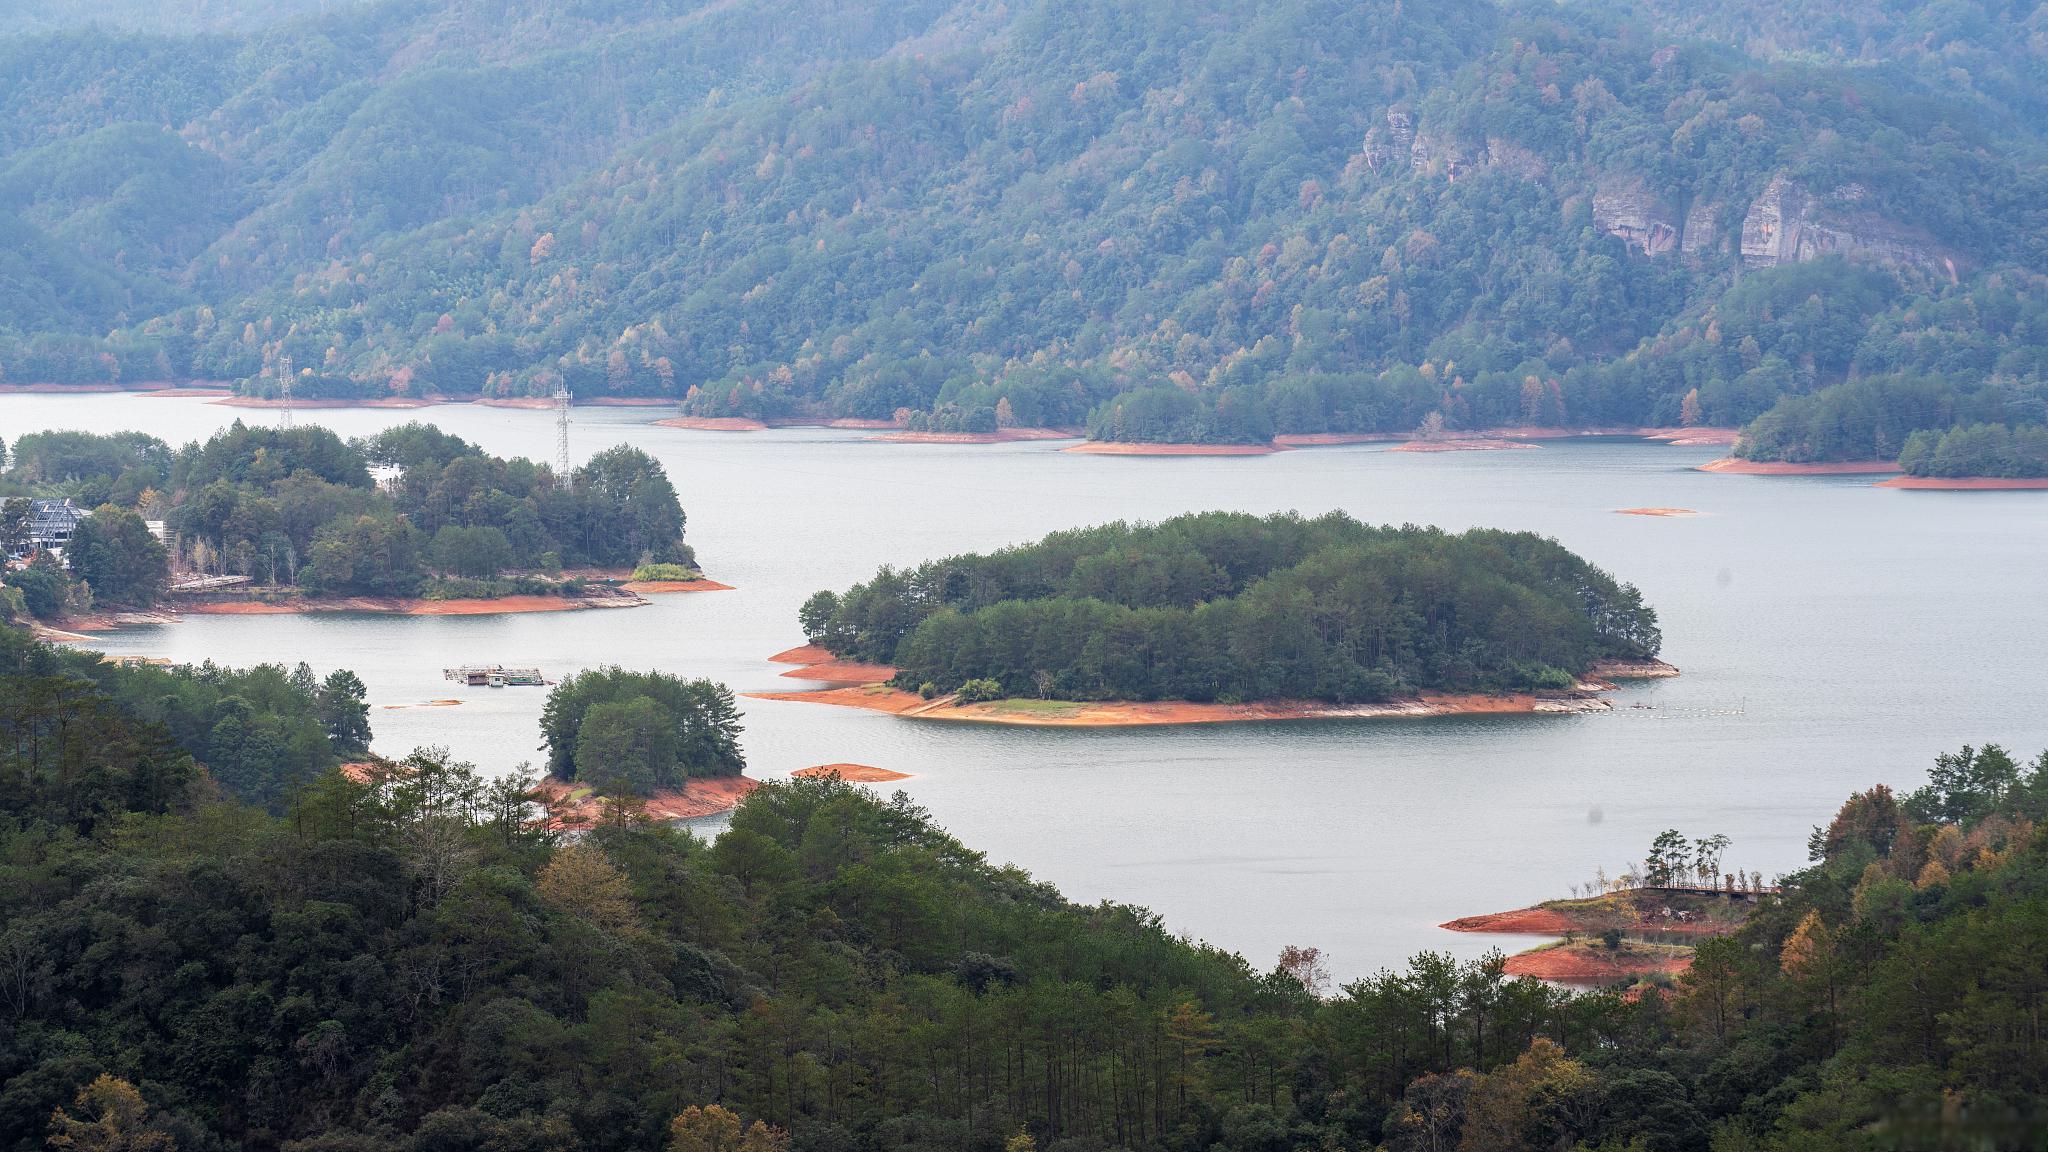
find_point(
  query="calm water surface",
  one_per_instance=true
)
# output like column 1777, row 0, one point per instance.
column 1832, row 635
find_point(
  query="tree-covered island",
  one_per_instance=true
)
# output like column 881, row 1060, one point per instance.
column 281, row 516
column 1233, row 609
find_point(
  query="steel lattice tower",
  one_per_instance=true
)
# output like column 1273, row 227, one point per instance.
column 284, row 389
column 562, row 435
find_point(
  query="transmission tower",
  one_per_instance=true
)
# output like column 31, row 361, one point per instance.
column 284, row 389
column 562, row 435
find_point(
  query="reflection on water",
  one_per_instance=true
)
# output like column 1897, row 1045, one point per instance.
column 1832, row 634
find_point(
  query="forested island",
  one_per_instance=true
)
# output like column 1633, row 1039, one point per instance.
column 1233, row 609
column 668, row 745
column 1929, row 428
column 295, row 517
column 1210, row 225
column 287, row 956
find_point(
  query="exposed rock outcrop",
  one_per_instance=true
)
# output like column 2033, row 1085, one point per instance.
column 1790, row 224
column 1507, row 156
column 1702, row 236
column 1627, row 208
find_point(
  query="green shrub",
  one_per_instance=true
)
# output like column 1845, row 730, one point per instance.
column 980, row 689
column 665, row 572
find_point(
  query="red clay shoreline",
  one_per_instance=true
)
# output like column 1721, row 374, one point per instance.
column 1966, row 483
column 1583, row 956
column 625, row 594
column 1143, row 714
column 865, row 686
column 409, row 605
column 1003, row 436
column 851, row 773
column 1462, row 444
column 574, row 807
column 1735, row 466
column 1128, row 448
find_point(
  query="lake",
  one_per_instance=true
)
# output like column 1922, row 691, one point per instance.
column 1832, row 635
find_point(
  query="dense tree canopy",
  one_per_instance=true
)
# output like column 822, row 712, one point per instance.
column 298, row 506
column 639, row 732
column 411, row 962
column 1227, row 606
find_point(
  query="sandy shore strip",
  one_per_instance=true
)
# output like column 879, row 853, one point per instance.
column 1004, row 436
column 659, row 587
column 410, row 606
column 1462, row 444
column 1593, row 963
column 1333, row 439
column 713, row 423
column 310, row 402
column 1734, row 466
column 851, row 773
column 1607, row 670
column 1137, row 714
column 865, row 686
column 1967, row 483
column 1124, row 448
column 843, row 672
column 1676, row 437
column 819, row 664
column 804, row 654
column 1656, row 928
column 1656, row 512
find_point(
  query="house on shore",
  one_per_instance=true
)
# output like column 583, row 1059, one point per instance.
column 51, row 524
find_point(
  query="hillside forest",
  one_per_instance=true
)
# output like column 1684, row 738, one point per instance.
column 203, row 959
column 1153, row 221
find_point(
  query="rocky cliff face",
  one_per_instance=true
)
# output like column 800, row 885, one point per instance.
column 1790, row 223
column 1626, row 207
column 1701, row 235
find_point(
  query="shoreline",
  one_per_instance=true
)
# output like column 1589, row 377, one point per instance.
column 572, row 806
column 851, row 773
column 1966, row 483
column 1463, row 444
column 865, row 686
column 1463, row 440
column 1667, row 512
column 1735, row 466
column 1004, row 436
column 1159, row 713
column 410, row 605
column 1129, row 448
column 1656, row 929
column 663, row 587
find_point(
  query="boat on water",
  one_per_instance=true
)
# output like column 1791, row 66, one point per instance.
column 496, row 676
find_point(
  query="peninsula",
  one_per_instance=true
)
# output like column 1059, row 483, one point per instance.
column 1230, row 617
column 259, row 520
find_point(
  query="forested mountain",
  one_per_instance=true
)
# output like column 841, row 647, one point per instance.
column 1235, row 607
column 412, row 963
column 1167, row 221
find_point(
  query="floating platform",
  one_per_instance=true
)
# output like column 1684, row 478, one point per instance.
column 495, row 676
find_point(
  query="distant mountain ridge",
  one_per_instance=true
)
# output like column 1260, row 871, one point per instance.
column 1209, row 222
